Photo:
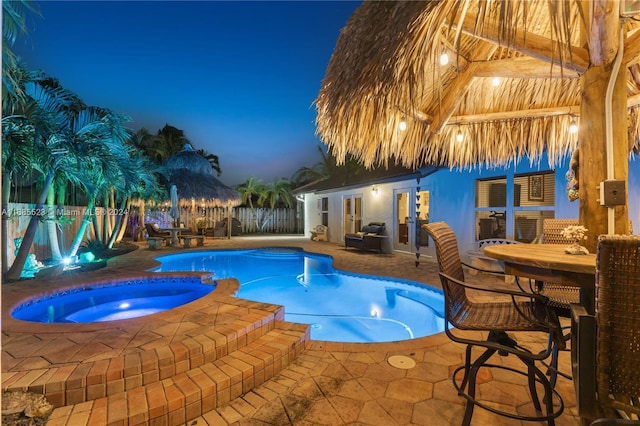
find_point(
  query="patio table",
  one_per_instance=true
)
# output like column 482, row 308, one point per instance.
column 549, row 262
column 174, row 234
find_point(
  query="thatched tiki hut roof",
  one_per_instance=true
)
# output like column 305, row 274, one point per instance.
column 386, row 70
column 194, row 179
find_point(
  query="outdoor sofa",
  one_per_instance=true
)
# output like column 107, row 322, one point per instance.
column 369, row 238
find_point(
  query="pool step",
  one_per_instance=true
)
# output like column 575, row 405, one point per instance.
column 188, row 394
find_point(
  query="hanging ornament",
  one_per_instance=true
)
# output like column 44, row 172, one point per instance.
column 416, row 224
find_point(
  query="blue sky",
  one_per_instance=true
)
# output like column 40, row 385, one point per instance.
column 238, row 77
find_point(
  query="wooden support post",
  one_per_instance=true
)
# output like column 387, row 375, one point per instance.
column 603, row 32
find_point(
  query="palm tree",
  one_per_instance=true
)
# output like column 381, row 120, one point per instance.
column 212, row 159
column 14, row 24
column 171, row 140
column 280, row 192
column 326, row 168
column 102, row 152
column 318, row 171
column 250, row 189
column 267, row 198
column 149, row 144
column 138, row 175
column 32, row 129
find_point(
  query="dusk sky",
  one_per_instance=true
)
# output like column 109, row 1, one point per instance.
column 238, row 77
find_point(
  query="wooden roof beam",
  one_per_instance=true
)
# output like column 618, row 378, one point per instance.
column 458, row 87
column 632, row 101
column 523, row 67
column 631, row 54
column 529, row 113
column 513, row 115
column 529, row 44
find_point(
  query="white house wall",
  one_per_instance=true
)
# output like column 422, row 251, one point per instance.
column 452, row 199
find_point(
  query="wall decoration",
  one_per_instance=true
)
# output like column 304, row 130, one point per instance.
column 536, row 188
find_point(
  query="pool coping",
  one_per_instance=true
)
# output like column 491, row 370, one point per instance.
column 21, row 291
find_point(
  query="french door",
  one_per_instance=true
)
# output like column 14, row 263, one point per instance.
column 411, row 210
column 351, row 213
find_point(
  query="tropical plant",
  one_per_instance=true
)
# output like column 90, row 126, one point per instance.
column 326, row 168
column 103, row 156
column 14, row 24
column 35, row 137
column 149, row 144
column 213, row 159
column 267, row 198
column 171, row 141
column 138, row 176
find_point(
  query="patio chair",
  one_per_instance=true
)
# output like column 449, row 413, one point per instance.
column 218, row 231
column 514, row 311
column 606, row 346
column 560, row 296
column 319, row 233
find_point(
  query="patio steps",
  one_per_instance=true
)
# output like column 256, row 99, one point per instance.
column 166, row 368
column 199, row 384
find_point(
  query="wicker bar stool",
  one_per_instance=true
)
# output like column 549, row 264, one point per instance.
column 606, row 355
column 523, row 312
column 560, row 296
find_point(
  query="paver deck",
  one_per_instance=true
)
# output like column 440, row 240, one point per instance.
column 137, row 366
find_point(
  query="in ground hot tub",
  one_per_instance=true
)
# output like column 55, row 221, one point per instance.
column 113, row 300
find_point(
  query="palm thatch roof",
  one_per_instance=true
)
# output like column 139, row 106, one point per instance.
column 194, row 179
column 386, row 69
column 204, row 189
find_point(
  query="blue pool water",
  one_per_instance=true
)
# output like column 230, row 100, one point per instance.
column 114, row 300
column 339, row 306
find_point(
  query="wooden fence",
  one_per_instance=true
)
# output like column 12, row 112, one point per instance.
column 18, row 215
column 283, row 221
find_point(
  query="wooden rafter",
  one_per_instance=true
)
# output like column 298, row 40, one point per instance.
column 513, row 115
column 522, row 67
column 458, row 88
column 529, row 44
column 631, row 53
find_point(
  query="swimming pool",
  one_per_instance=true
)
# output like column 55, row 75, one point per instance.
column 339, row 306
column 112, row 300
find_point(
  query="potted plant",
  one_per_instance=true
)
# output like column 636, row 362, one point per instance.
column 575, row 234
column 201, row 224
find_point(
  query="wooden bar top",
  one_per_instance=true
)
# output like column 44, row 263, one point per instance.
column 543, row 256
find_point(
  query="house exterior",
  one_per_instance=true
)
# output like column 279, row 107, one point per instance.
column 509, row 202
